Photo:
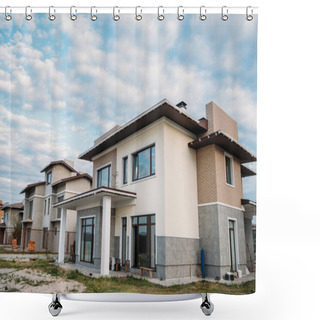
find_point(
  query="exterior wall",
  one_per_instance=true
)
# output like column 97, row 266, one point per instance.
column 59, row 172
column 249, row 243
column 110, row 157
column 212, row 186
column 206, row 175
column 219, row 120
column 150, row 190
column 214, row 231
column 230, row 195
column 180, row 184
column 177, row 257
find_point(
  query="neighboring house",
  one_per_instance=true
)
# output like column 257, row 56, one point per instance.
column 41, row 222
column 12, row 216
column 1, row 211
column 165, row 185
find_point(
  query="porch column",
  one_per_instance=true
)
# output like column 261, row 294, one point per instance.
column 105, row 232
column 62, row 235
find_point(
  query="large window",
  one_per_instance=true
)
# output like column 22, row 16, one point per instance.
column 229, row 169
column 144, row 237
column 125, row 170
column 87, row 238
column 144, row 163
column 30, row 209
column 104, row 177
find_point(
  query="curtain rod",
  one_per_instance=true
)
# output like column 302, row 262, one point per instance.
column 129, row 10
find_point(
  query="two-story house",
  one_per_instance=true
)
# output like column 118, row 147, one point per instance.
column 165, row 185
column 12, row 216
column 41, row 222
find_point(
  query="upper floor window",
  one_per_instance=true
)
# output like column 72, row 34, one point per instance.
column 30, row 209
column 125, row 170
column 144, row 163
column 49, row 177
column 229, row 169
column 59, row 209
column 104, row 177
column 49, row 206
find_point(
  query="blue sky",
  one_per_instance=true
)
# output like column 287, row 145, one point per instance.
column 64, row 83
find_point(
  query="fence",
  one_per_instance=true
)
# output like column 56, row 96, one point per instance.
column 45, row 240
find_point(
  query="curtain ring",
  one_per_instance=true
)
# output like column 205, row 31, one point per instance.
column 160, row 16
column 51, row 16
column 73, row 17
column 7, row 16
column 203, row 12
column 93, row 16
column 138, row 16
column 180, row 13
column 116, row 17
column 249, row 17
column 224, row 13
column 28, row 16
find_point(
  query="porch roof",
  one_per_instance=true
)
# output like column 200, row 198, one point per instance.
column 95, row 195
column 250, row 208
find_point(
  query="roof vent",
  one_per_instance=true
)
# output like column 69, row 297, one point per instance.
column 182, row 104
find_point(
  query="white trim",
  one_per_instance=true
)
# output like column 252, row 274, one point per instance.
column 101, row 168
column 221, row 204
column 227, row 155
column 34, row 196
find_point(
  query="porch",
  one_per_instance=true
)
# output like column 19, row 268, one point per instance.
column 94, row 222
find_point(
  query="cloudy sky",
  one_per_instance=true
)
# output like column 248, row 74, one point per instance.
column 64, row 83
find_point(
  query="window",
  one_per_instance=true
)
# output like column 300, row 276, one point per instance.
column 125, row 170
column 232, row 240
column 103, row 176
column 144, row 163
column 144, row 237
column 30, row 209
column 45, row 207
column 124, row 241
column 59, row 209
column 87, row 237
column 45, row 238
column 229, row 170
column 49, row 177
column 48, row 211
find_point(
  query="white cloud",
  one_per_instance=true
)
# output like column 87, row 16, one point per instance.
column 27, row 106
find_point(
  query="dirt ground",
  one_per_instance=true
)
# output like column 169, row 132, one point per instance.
column 35, row 281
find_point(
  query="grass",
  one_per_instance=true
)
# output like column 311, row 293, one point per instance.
column 128, row 283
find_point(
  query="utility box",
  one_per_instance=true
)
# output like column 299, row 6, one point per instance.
column 14, row 243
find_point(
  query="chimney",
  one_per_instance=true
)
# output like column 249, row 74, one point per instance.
column 182, row 105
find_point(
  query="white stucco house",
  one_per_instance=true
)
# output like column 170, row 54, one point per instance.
column 165, row 186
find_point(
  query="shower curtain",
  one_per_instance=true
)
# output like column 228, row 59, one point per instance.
column 127, row 158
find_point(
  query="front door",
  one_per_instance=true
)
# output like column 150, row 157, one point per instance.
column 87, row 240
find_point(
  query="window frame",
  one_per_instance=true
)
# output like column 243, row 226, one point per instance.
column 82, row 254
column 100, row 169
column 226, row 155
column 134, row 156
column 30, row 214
column 49, row 180
column 125, row 171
